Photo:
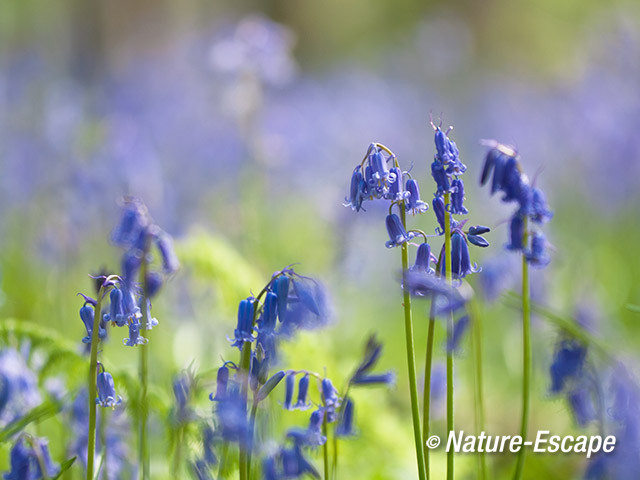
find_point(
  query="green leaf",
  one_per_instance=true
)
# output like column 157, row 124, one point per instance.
column 41, row 412
column 66, row 465
column 266, row 389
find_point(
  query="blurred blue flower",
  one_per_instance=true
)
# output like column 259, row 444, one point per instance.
column 26, row 458
column 18, row 386
column 244, row 329
column 346, row 421
column 290, row 383
column 567, row 365
column 303, row 390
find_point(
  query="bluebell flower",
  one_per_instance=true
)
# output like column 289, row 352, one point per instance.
column 269, row 469
column 475, row 236
column 305, row 306
column 498, row 274
column 222, row 380
column 459, row 329
column 87, row 314
column 258, row 371
column 164, row 242
column 363, row 375
column 134, row 336
column 516, row 233
column 208, row 436
column 440, row 177
column 438, row 208
column 461, row 265
column 378, row 163
column 201, row 469
column 134, row 219
column 424, row 258
column 312, row 435
column 303, row 389
column 152, row 284
column 267, row 322
column 536, row 254
column 540, row 212
column 447, row 161
column 290, row 383
column 116, row 309
column 107, row 391
column 397, row 234
column 457, row 198
column 282, row 284
column 26, row 459
column 182, row 393
column 447, row 298
column 244, row 329
column 130, row 308
column 581, row 404
column 414, row 205
column 396, row 184
column 131, row 262
column 295, row 465
column 567, row 365
column 346, row 421
column 232, row 417
column 329, row 393
column 386, row 378
column 151, row 321
column 357, row 191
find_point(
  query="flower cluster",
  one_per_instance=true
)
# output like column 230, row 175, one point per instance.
column 129, row 300
column 289, row 461
column 503, row 167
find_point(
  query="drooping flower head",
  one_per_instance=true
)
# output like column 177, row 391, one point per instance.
column 503, row 167
column 107, row 396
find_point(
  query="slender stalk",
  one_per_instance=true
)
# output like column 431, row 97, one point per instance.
column 447, row 266
column 223, row 460
column 143, row 365
column 93, row 374
column 245, row 363
column 335, row 454
column 526, row 358
column 252, row 423
column 177, row 454
column 103, row 441
column 411, row 357
column 325, row 449
column 426, row 408
column 479, row 394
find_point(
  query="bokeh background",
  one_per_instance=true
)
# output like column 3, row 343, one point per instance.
column 239, row 123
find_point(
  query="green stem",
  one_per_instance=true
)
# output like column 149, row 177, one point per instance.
column 526, row 358
column 103, row 440
column 223, row 460
column 245, row 363
column 411, row 357
column 335, row 454
column 252, row 423
column 426, row 408
column 479, row 394
column 177, row 454
column 143, row 445
column 447, row 266
column 93, row 375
